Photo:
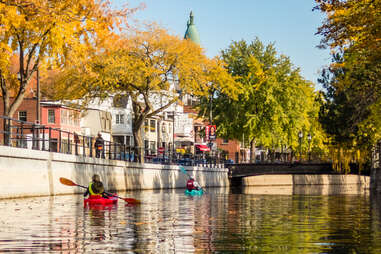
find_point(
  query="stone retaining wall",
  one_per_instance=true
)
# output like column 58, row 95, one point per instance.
column 25, row 173
column 266, row 180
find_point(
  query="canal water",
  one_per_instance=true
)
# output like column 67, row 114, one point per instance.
column 317, row 219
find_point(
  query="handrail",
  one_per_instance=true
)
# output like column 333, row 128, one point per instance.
column 35, row 136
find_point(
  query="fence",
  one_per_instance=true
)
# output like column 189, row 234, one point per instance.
column 29, row 135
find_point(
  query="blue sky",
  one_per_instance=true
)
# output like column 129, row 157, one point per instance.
column 290, row 24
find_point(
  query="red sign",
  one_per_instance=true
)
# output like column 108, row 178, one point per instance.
column 161, row 149
column 210, row 132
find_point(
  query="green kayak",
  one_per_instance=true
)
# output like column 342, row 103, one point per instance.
column 194, row 192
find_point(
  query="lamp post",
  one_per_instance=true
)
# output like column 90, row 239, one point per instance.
column 38, row 110
column 300, row 135
column 173, row 137
column 309, row 138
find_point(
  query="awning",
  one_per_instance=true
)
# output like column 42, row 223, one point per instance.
column 184, row 139
column 203, row 148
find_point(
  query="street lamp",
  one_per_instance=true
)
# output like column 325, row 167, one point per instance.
column 173, row 137
column 300, row 135
column 309, row 138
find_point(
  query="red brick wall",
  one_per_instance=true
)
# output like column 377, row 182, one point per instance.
column 29, row 105
column 232, row 147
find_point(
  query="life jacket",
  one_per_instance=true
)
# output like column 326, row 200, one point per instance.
column 190, row 185
column 93, row 191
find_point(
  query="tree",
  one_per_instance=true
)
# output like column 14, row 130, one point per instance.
column 275, row 103
column 353, row 24
column 350, row 113
column 152, row 68
column 48, row 32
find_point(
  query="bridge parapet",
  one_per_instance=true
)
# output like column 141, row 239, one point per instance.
column 251, row 169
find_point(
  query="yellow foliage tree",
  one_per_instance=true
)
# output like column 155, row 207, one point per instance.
column 351, row 24
column 40, row 31
column 147, row 67
column 351, row 112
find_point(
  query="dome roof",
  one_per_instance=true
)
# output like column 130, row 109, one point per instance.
column 191, row 32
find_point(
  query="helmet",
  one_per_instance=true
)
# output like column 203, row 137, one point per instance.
column 96, row 178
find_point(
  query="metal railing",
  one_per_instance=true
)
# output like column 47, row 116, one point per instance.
column 28, row 135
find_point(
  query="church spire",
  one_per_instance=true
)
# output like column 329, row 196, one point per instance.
column 191, row 32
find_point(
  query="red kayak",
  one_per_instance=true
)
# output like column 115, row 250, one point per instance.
column 98, row 200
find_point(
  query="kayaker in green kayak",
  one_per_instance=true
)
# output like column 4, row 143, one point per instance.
column 96, row 187
column 192, row 185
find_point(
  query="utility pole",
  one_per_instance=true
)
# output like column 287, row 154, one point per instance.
column 38, row 117
column 173, row 136
column 211, row 109
column 38, row 113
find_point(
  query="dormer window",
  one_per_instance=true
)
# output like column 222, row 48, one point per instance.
column 119, row 118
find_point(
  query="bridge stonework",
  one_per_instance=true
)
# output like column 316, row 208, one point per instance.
column 253, row 169
column 375, row 174
column 295, row 174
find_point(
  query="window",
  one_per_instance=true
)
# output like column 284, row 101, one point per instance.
column 120, row 101
column 51, row 116
column 119, row 118
column 225, row 141
column 152, row 125
column 64, row 119
column 76, row 118
column 152, row 147
column 128, row 140
column 146, row 125
column 118, row 139
column 164, row 128
column 22, row 116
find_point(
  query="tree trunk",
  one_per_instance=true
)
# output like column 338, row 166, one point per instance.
column 5, row 95
column 252, row 150
column 11, row 108
column 139, row 154
column 137, row 124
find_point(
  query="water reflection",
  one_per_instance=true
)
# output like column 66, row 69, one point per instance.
column 280, row 219
column 352, row 189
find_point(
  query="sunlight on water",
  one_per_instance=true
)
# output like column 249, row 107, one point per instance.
column 255, row 220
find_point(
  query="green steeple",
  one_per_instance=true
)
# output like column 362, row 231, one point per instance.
column 191, row 32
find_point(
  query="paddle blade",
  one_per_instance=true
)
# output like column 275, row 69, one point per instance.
column 183, row 170
column 132, row 201
column 67, row 182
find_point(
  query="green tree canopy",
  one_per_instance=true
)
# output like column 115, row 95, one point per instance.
column 351, row 109
column 275, row 104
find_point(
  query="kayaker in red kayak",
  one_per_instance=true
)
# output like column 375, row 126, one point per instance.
column 192, row 185
column 96, row 187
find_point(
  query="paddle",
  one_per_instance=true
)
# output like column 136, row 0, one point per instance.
column 68, row 182
column 185, row 172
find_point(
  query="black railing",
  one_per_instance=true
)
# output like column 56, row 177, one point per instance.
column 29, row 135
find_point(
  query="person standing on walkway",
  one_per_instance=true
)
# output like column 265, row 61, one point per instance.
column 99, row 146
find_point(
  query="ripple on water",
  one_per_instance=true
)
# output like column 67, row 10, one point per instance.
column 218, row 222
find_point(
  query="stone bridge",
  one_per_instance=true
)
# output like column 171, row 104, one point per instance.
column 253, row 169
